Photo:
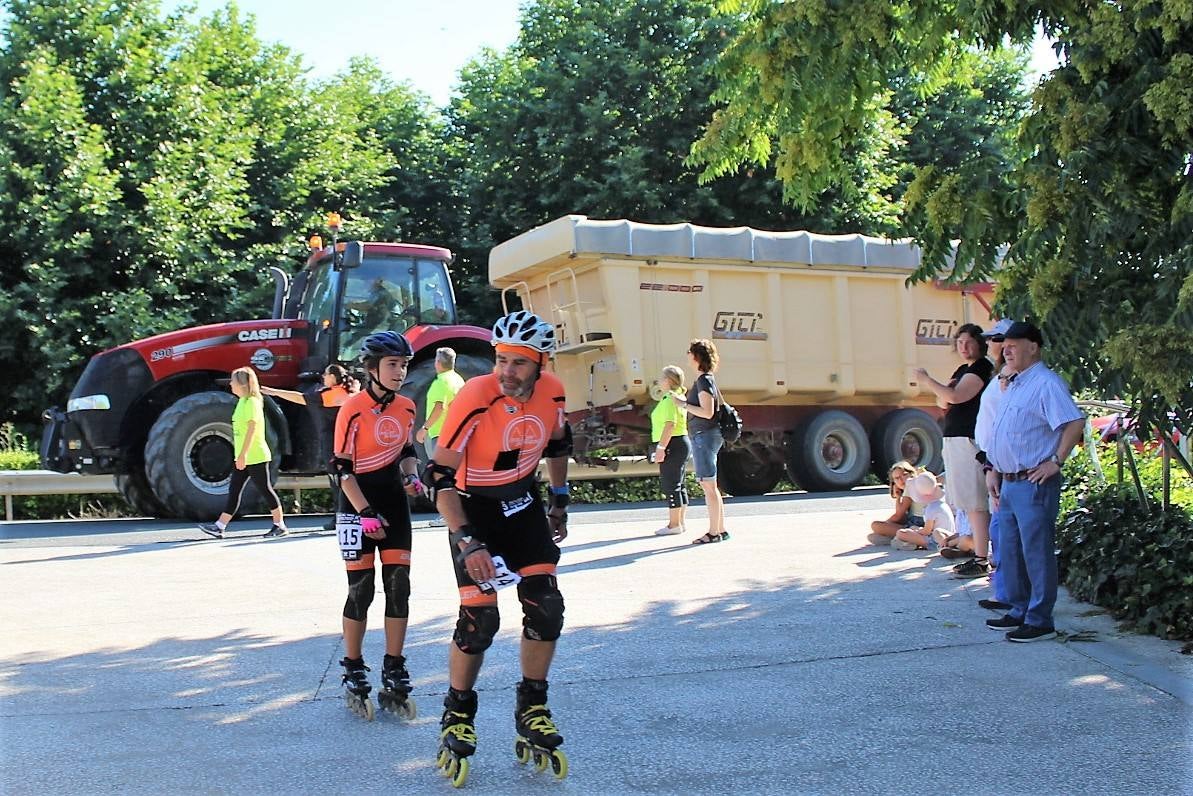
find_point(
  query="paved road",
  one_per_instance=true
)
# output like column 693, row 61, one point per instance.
column 791, row 659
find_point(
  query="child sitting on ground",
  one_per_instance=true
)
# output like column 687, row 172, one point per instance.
column 959, row 544
column 925, row 490
column 883, row 531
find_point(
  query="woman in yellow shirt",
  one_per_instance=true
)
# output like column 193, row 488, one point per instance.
column 252, row 455
column 669, row 432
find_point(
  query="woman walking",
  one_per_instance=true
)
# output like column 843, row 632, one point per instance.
column 252, row 456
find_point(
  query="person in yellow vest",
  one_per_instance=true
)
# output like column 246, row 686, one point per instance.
column 439, row 397
column 252, row 455
column 669, row 432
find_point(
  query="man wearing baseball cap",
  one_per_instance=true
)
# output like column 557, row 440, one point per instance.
column 1035, row 428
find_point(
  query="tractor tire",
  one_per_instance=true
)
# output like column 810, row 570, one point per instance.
column 134, row 488
column 829, row 452
column 418, row 381
column 189, row 457
column 910, row 435
column 742, row 471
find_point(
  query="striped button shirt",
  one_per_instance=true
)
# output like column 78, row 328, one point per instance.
column 1027, row 426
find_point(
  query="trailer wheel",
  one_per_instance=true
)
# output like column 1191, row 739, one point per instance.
column 189, row 457
column 829, row 451
column 742, row 471
column 134, row 488
column 418, row 380
column 912, row 435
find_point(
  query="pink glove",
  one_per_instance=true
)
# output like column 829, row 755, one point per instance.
column 372, row 527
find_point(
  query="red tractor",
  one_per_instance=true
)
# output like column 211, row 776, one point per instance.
column 156, row 414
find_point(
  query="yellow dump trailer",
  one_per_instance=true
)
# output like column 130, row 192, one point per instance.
column 818, row 335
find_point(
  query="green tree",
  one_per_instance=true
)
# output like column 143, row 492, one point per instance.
column 592, row 111
column 1094, row 197
column 154, row 166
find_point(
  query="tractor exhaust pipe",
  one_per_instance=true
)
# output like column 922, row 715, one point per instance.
column 281, row 284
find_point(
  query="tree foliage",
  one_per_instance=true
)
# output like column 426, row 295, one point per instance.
column 1090, row 187
column 592, row 111
column 154, row 166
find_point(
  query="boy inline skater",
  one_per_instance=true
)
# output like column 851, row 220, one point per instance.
column 377, row 467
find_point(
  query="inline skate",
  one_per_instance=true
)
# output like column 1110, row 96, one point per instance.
column 394, row 696
column 357, row 688
column 457, row 735
column 538, row 738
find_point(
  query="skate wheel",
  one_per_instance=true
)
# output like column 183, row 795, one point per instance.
column 452, row 766
column 559, row 764
column 407, row 710
column 460, row 773
column 540, row 761
column 522, row 752
column 441, row 761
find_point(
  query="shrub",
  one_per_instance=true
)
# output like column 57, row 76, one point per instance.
column 1136, row 562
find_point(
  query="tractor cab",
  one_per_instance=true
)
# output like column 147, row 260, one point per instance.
column 346, row 295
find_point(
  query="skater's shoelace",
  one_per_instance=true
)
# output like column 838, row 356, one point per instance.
column 460, row 730
column 538, row 718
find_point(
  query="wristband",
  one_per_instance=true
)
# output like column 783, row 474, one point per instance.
column 560, row 490
column 368, row 511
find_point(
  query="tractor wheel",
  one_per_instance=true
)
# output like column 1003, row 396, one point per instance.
column 418, row 380
column 830, row 451
column 189, row 457
column 134, row 488
column 746, row 470
column 910, row 435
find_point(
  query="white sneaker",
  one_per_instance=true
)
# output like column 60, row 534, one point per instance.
column 877, row 538
column 899, row 544
column 667, row 530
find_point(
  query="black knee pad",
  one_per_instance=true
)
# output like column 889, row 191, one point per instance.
column 360, row 594
column 542, row 607
column 476, row 627
column 396, row 580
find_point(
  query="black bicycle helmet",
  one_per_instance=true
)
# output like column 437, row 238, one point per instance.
column 379, row 345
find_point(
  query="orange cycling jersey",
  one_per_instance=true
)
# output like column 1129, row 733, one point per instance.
column 371, row 437
column 334, row 396
column 502, row 439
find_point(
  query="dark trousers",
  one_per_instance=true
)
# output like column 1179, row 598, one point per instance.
column 671, row 472
column 259, row 475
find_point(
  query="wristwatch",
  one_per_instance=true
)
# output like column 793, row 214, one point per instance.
column 1055, row 459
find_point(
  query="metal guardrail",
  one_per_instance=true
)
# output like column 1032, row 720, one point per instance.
column 21, row 483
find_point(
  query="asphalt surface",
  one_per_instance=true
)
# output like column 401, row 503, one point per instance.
column 142, row 657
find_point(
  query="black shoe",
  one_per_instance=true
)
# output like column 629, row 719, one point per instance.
column 1027, row 633
column 211, row 529
column 1007, row 622
column 973, row 568
column 994, row 605
column 275, row 532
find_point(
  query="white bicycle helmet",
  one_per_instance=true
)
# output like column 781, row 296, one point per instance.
column 524, row 328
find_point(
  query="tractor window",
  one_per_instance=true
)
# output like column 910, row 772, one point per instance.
column 435, row 293
column 379, row 296
column 319, row 301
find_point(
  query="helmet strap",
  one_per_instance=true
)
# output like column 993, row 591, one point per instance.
column 387, row 395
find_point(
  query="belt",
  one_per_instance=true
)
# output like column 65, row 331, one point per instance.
column 1019, row 476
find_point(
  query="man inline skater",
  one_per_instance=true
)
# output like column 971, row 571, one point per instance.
column 377, row 467
column 497, row 430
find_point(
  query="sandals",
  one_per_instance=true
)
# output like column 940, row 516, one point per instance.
column 711, row 538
